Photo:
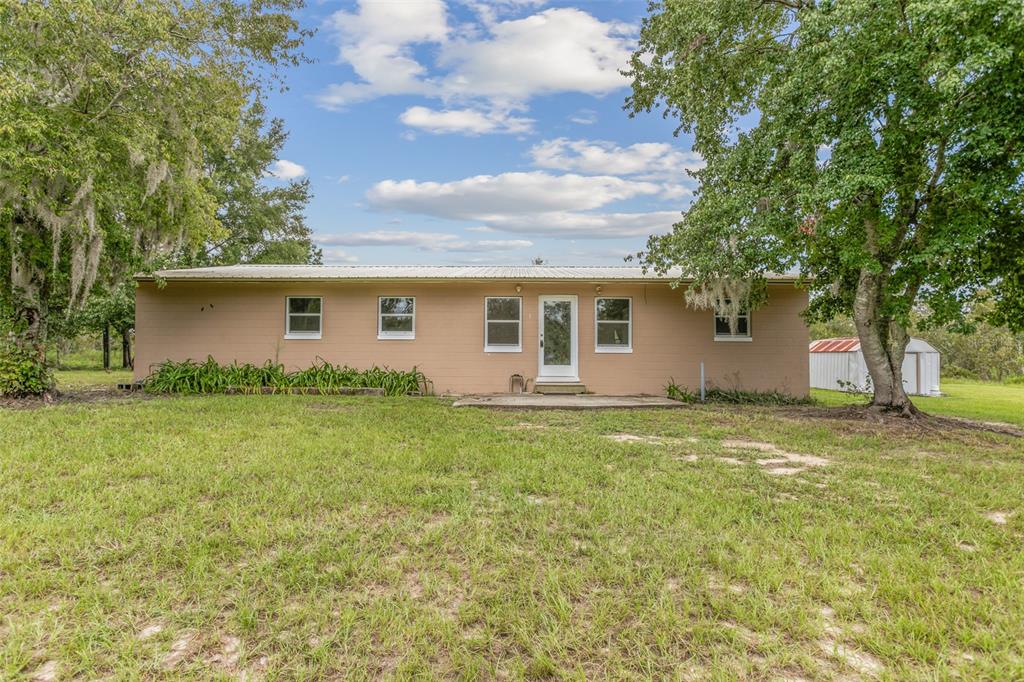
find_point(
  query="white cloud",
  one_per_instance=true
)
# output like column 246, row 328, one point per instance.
column 535, row 203
column 424, row 241
column 500, row 245
column 467, row 121
column 584, row 117
column 376, row 41
column 673, row 191
column 338, row 256
column 494, row 65
column 490, row 10
column 644, row 159
column 282, row 169
column 557, row 50
column 387, row 238
column 572, row 225
column 481, row 197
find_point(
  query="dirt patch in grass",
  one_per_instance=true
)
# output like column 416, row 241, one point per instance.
column 47, row 672
column 75, row 396
column 227, row 656
column 182, row 648
column 781, row 463
column 831, row 644
column 648, row 440
column 150, row 631
column 999, row 517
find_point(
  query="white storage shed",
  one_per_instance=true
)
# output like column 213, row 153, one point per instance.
column 838, row 364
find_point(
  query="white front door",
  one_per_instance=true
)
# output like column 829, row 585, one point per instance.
column 557, row 343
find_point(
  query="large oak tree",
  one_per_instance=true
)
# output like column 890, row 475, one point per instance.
column 110, row 114
column 875, row 146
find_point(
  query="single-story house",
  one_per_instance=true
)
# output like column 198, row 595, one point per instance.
column 610, row 330
column 838, row 364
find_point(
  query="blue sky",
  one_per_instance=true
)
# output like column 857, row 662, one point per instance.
column 458, row 132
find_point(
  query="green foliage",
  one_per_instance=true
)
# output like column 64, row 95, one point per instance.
column 210, row 377
column 732, row 396
column 837, row 327
column 113, row 305
column 23, row 372
column 977, row 349
column 112, row 115
column 261, row 221
column 680, row 393
column 957, row 372
column 874, row 147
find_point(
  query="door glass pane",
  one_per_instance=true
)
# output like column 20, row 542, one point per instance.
column 557, row 333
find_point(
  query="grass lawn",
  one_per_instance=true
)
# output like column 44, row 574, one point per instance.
column 77, row 379
column 296, row 537
column 983, row 401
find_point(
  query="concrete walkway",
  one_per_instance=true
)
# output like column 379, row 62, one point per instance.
column 536, row 401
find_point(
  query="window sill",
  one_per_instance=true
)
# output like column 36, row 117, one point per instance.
column 734, row 338
column 299, row 337
column 503, row 349
column 395, row 337
column 613, row 349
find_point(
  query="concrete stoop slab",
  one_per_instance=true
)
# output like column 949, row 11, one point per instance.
column 536, row 401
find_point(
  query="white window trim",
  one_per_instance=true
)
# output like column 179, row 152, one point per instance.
column 628, row 348
column 518, row 348
column 288, row 333
column 395, row 336
column 741, row 338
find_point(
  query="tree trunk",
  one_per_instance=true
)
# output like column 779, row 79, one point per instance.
column 883, row 343
column 106, row 347
column 29, row 282
column 126, row 350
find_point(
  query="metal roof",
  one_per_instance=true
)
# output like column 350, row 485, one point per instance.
column 424, row 272
column 835, row 345
column 852, row 345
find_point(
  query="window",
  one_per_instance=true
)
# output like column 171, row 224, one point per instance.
column 397, row 317
column 614, row 319
column 304, row 317
column 742, row 331
column 503, row 324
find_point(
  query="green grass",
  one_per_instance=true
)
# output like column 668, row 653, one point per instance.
column 298, row 537
column 983, row 401
column 76, row 379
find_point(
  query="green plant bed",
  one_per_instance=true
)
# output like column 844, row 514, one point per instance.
column 732, row 396
column 210, row 377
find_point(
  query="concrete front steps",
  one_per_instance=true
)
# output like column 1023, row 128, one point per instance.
column 560, row 389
